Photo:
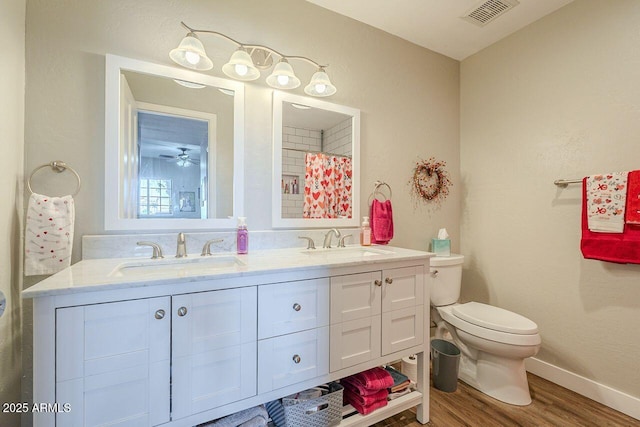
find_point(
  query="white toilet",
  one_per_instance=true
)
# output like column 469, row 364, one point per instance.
column 494, row 342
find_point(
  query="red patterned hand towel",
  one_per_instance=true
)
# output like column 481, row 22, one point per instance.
column 633, row 198
column 381, row 221
column 364, row 400
column 352, row 399
column 374, row 379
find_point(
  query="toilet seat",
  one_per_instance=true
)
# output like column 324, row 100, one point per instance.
column 482, row 314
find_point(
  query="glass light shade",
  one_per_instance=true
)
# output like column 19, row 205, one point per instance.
column 283, row 76
column 191, row 54
column 240, row 67
column 320, row 85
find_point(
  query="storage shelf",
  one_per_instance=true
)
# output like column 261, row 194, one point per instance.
column 393, row 407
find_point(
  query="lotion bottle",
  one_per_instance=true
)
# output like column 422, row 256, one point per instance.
column 365, row 232
column 242, row 240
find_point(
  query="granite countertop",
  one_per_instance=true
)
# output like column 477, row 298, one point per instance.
column 118, row 273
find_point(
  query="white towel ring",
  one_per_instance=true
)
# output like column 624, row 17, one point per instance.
column 57, row 166
column 377, row 190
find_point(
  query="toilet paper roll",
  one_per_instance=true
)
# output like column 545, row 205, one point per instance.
column 410, row 367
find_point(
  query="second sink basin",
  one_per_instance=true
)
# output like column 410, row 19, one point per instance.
column 176, row 266
column 348, row 252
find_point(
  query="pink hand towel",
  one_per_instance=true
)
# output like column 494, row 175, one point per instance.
column 372, row 379
column 354, row 396
column 363, row 409
column 381, row 222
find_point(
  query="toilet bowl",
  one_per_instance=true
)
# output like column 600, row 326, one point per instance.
column 494, row 342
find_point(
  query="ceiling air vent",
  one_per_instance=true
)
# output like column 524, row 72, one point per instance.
column 489, row 10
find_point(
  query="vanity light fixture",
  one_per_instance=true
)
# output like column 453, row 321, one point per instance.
column 247, row 61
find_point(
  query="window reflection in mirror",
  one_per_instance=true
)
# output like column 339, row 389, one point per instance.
column 173, row 146
column 316, row 146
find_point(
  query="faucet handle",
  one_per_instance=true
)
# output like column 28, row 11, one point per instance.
column 206, row 249
column 157, row 250
column 342, row 239
column 310, row 243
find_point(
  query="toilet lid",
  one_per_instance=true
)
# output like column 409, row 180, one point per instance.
column 494, row 318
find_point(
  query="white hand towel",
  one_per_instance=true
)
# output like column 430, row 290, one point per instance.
column 606, row 201
column 49, row 234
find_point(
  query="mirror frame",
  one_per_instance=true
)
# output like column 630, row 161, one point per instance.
column 113, row 166
column 276, row 212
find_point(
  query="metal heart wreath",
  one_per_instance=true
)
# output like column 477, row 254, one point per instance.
column 430, row 180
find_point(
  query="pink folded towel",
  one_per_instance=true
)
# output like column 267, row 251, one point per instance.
column 381, row 222
column 354, row 395
column 373, row 379
column 352, row 399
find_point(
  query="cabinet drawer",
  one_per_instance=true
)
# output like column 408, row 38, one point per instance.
column 354, row 342
column 293, row 358
column 284, row 308
column 402, row 329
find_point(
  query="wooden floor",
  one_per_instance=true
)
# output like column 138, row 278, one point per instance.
column 552, row 406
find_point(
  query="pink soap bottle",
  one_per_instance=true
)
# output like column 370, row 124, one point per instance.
column 242, row 241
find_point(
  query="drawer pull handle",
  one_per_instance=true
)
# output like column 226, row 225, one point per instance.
column 377, row 282
column 297, row 307
column 182, row 311
column 388, row 280
column 159, row 314
column 296, row 358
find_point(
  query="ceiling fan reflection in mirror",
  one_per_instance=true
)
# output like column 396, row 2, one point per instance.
column 182, row 159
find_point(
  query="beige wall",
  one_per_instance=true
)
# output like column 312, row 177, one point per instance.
column 12, row 30
column 559, row 99
column 408, row 95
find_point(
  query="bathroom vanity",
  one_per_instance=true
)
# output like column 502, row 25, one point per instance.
column 179, row 342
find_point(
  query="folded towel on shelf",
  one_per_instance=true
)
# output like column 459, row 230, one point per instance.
column 612, row 247
column 357, row 386
column 354, row 395
column 363, row 409
column 381, row 221
column 606, row 200
column 398, row 377
column 372, row 379
column 251, row 417
column 633, row 198
column 48, row 234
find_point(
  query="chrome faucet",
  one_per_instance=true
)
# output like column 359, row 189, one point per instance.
column 181, row 250
column 327, row 237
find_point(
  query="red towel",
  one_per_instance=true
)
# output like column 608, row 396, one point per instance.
column 373, row 379
column 358, row 387
column 352, row 399
column 613, row 247
column 354, row 395
column 633, row 198
column 381, row 222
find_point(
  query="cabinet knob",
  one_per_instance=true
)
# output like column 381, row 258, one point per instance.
column 159, row 314
column 388, row 280
column 434, row 273
column 296, row 358
column 377, row 282
column 297, row 307
column 182, row 311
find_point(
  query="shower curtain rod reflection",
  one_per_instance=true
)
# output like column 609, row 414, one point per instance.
column 319, row 152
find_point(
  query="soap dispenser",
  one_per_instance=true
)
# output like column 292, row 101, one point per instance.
column 242, row 241
column 365, row 232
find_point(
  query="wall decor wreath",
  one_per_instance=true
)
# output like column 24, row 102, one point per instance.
column 430, row 180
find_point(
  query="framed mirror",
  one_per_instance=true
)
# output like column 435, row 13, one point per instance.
column 173, row 148
column 316, row 163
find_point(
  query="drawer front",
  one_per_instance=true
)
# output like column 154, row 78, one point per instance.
column 355, row 296
column 402, row 329
column 354, row 342
column 285, row 308
column 402, row 288
column 293, row 358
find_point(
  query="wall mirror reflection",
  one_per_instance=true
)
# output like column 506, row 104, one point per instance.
column 315, row 162
column 174, row 151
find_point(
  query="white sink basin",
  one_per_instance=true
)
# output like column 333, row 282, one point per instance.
column 348, row 252
column 177, row 266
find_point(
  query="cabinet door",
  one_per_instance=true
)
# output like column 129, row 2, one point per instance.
column 402, row 288
column 355, row 296
column 292, row 358
column 112, row 363
column 402, row 329
column 289, row 307
column 354, row 342
column 213, row 349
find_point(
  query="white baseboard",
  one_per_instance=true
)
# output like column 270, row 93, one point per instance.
column 608, row 396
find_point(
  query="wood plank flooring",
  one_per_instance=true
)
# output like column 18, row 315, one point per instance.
column 552, row 406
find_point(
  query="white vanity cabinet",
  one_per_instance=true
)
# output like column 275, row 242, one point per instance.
column 375, row 313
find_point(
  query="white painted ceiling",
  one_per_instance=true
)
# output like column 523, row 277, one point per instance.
column 436, row 24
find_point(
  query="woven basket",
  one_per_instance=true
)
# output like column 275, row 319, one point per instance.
column 323, row 411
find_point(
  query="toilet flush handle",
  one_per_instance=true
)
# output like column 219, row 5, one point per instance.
column 434, row 273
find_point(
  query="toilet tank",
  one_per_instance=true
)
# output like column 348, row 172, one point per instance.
column 445, row 279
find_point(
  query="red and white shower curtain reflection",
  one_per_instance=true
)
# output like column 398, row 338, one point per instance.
column 327, row 186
